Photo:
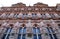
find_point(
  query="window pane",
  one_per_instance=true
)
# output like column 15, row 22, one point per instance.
column 7, row 33
column 23, row 36
column 49, row 33
column 24, row 30
column 19, row 36
column 20, row 30
column 38, row 30
column 55, row 36
column 34, row 30
column 34, row 36
column 53, row 32
column 39, row 36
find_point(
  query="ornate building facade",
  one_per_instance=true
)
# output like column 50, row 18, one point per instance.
column 39, row 21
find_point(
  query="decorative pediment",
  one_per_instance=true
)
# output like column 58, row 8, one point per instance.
column 19, row 5
column 58, row 7
column 40, row 4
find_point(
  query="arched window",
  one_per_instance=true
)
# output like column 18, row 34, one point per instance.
column 36, row 33
column 7, row 33
column 53, row 35
column 22, row 33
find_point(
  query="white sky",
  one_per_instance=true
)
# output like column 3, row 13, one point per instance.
column 28, row 2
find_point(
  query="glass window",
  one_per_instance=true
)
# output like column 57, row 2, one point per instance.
column 23, row 36
column 59, row 26
column 52, row 15
column 15, row 15
column 24, row 30
column 29, row 8
column 34, row 36
column 6, row 36
column 19, row 36
column 49, row 33
column 20, row 30
column 39, row 36
column 38, row 30
column 34, row 14
column 34, row 30
column 36, row 8
column 22, row 8
column 50, row 30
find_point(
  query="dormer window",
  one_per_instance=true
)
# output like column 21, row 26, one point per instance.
column 8, row 8
column 29, row 8
column 58, row 7
column 15, row 9
column 43, row 9
column 50, row 9
column 22, row 8
column 36, row 8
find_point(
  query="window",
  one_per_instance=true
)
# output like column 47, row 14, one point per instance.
column 15, row 15
column 43, row 8
column 19, row 36
column 36, row 33
column 23, row 36
column 8, row 9
column 6, row 36
column 52, row 15
column 50, row 30
column 49, row 33
column 35, row 36
column 38, row 30
column 1, row 9
column 29, row 35
column 36, row 8
column 34, row 14
column 11, row 15
column 23, row 31
column 34, row 30
column 24, row 15
column 15, row 8
column 39, row 36
column 47, row 15
column 50, row 9
column 22, row 8
column 29, row 8
column 20, row 30
column 59, row 26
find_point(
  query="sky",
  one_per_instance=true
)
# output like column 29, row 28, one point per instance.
column 28, row 2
